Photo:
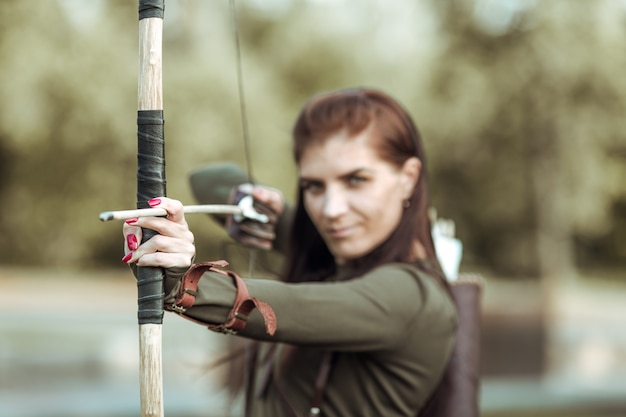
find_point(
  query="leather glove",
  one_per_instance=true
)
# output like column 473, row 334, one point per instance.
column 252, row 233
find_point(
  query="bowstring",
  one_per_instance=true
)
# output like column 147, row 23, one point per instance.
column 240, row 87
column 248, row 351
column 243, row 112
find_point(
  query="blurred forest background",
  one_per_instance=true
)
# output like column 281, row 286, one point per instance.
column 521, row 105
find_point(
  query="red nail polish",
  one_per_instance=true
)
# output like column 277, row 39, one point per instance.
column 154, row 202
column 133, row 220
column 126, row 258
column 131, row 241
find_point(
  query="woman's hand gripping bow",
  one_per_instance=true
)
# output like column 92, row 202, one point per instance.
column 172, row 247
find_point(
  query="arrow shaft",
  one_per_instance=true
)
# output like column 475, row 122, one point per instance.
column 155, row 212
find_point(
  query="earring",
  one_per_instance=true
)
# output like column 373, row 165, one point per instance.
column 406, row 203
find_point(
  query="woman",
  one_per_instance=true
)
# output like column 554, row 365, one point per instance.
column 362, row 323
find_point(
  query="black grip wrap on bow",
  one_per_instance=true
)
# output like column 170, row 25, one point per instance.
column 150, row 183
column 151, row 8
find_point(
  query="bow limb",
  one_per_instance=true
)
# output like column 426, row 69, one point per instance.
column 150, row 184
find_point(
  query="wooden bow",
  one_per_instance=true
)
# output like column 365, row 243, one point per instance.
column 150, row 184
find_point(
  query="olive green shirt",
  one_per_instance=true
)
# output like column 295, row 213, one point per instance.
column 392, row 331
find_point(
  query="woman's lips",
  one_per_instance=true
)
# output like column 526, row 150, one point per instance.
column 339, row 232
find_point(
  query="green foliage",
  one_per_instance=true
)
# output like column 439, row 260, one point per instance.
column 521, row 116
column 531, row 117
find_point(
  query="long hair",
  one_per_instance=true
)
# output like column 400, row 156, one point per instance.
column 396, row 139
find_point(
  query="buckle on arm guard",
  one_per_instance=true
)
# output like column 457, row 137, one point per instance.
column 242, row 307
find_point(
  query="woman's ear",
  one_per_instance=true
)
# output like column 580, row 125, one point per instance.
column 411, row 170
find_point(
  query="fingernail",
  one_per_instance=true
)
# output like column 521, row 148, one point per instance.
column 154, row 202
column 126, row 258
column 131, row 241
column 133, row 220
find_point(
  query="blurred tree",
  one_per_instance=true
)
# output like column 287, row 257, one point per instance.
column 519, row 103
column 532, row 108
column 60, row 127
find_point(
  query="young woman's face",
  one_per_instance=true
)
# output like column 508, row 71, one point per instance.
column 354, row 198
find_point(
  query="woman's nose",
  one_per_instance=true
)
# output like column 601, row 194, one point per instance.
column 335, row 203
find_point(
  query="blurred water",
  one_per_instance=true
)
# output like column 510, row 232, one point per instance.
column 87, row 365
column 69, row 348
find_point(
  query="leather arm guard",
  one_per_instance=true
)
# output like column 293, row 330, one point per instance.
column 242, row 306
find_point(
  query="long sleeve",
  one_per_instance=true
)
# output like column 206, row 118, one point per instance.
column 372, row 312
column 392, row 331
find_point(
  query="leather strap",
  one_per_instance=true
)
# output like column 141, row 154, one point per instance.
column 242, row 306
column 188, row 290
column 320, row 384
column 321, row 381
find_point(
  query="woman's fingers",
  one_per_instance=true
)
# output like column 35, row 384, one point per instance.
column 132, row 237
column 173, row 246
column 270, row 197
column 267, row 201
column 174, row 208
column 163, row 251
column 164, row 226
column 173, row 225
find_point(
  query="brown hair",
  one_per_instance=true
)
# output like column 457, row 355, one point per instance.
column 397, row 139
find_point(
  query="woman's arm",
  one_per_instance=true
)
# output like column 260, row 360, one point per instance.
column 369, row 313
column 219, row 183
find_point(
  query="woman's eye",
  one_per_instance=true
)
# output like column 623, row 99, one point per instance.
column 356, row 180
column 311, row 186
